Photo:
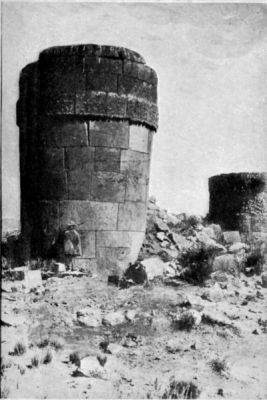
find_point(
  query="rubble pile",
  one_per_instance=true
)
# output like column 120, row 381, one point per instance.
column 179, row 245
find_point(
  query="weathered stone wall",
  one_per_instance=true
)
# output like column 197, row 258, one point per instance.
column 87, row 115
column 238, row 201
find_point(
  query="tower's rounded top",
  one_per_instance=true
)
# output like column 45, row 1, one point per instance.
column 94, row 50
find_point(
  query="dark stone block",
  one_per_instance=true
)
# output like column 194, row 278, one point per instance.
column 100, row 64
column 79, row 158
column 107, row 159
column 109, row 134
column 142, row 112
column 132, row 86
column 89, row 215
column 140, row 71
column 108, row 186
column 79, row 184
column 53, row 185
column 101, row 81
column 92, row 103
column 136, row 189
column 116, row 105
column 49, row 220
column 63, row 133
column 51, row 159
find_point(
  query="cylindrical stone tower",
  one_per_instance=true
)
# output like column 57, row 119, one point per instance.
column 87, row 115
column 238, row 201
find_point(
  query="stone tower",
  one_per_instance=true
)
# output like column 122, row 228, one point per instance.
column 87, row 115
column 238, row 201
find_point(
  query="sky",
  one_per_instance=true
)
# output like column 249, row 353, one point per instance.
column 212, row 69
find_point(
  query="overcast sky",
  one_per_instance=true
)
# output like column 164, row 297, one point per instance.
column 212, row 68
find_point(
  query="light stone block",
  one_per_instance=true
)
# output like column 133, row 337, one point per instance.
column 135, row 164
column 138, row 139
column 117, row 239
column 88, row 244
column 136, row 189
column 89, row 215
column 132, row 216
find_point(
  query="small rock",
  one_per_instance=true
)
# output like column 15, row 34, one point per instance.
column 172, row 220
column 173, row 346
column 161, row 236
column 225, row 263
column 130, row 315
column 237, row 247
column 114, row 348
column 57, row 268
column 255, row 332
column 113, row 318
column 220, row 392
column 102, row 359
column 161, row 226
column 214, row 293
column 90, row 317
column 164, row 244
column 154, row 267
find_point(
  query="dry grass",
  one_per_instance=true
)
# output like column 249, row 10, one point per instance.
column 48, row 357
column 35, row 361
column 219, row 366
column 181, row 390
column 19, row 349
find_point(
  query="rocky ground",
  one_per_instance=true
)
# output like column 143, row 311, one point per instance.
column 78, row 337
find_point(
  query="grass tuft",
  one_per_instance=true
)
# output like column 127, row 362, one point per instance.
column 35, row 361
column 19, row 349
column 48, row 357
column 181, row 390
column 219, row 366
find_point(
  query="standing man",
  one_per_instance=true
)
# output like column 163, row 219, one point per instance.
column 72, row 244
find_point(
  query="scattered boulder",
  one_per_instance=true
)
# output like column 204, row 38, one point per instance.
column 161, row 236
column 209, row 243
column 173, row 346
column 154, row 267
column 238, row 247
column 113, row 318
column 230, row 237
column 225, row 263
column 130, row 315
column 214, row 294
column 89, row 317
column 161, row 225
column 58, row 268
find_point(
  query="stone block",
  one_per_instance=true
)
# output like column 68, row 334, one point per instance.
column 101, row 81
column 53, row 185
column 104, row 65
column 89, row 215
column 93, row 103
column 135, row 164
column 108, row 186
column 88, row 244
column 51, row 158
column 140, row 71
column 230, row 237
column 79, row 158
column 119, row 239
column 138, row 139
column 113, row 260
column 136, row 189
column 107, row 159
column 132, row 216
column 56, row 133
column 33, row 278
column 116, row 105
column 79, row 184
column 109, row 134
column 128, row 85
column 49, row 216
column 58, row 104
column 150, row 141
